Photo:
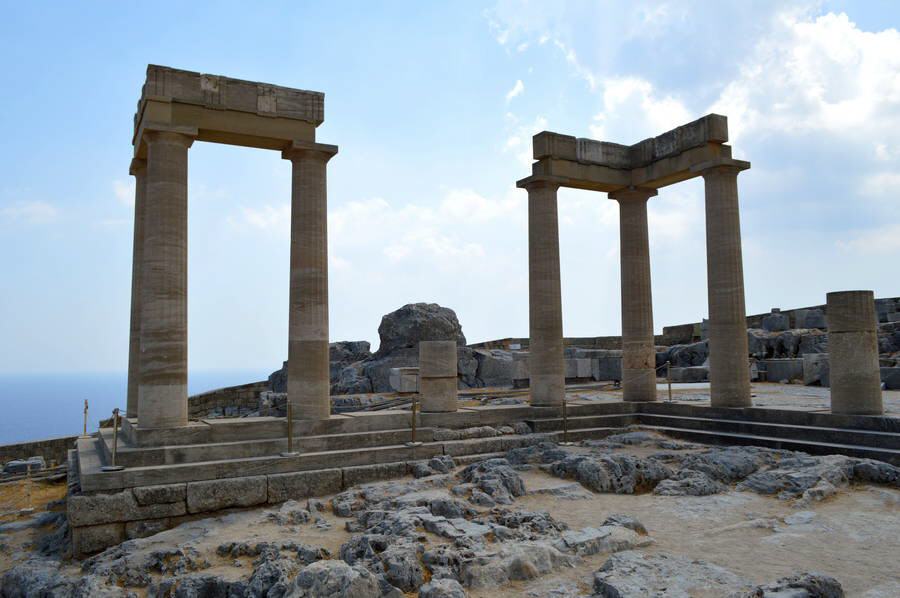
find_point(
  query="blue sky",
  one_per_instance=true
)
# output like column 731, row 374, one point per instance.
column 433, row 106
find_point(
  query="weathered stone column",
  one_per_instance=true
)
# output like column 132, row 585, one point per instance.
column 729, row 371
column 308, row 382
column 162, row 391
column 545, row 359
column 638, row 347
column 138, row 169
column 437, row 376
column 853, row 353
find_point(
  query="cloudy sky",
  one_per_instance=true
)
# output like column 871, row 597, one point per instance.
column 433, row 106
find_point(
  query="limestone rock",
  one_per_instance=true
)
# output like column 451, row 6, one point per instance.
column 802, row 585
column 606, row 538
column 495, row 367
column 632, row 574
column 213, row 495
column 683, row 356
column 442, row 588
column 415, row 322
column 334, row 579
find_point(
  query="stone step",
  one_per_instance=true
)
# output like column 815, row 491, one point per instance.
column 243, row 449
column 583, row 421
column 840, row 436
column 891, row 456
column 92, row 479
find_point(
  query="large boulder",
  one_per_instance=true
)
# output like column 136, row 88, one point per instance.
column 683, row 356
column 340, row 355
column 415, row 322
column 495, row 367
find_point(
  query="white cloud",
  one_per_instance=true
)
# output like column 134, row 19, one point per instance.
column 882, row 184
column 516, row 90
column 275, row 220
column 124, row 191
column 874, row 241
column 817, row 75
column 632, row 105
column 31, row 211
column 518, row 141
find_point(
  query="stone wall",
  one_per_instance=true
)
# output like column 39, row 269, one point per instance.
column 227, row 402
column 51, row 449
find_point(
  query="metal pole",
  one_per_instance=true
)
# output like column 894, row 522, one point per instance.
column 290, row 431
column 415, row 407
column 115, row 447
column 565, row 414
column 85, row 417
column 29, row 508
column 669, row 379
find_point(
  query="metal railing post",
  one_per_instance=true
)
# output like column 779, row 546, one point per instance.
column 669, row 378
column 113, row 466
column 415, row 408
column 290, row 452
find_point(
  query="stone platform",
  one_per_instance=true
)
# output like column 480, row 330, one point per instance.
column 235, row 463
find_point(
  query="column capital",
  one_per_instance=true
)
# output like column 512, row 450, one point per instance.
column 137, row 167
column 538, row 182
column 720, row 166
column 176, row 135
column 632, row 193
column 310, row 150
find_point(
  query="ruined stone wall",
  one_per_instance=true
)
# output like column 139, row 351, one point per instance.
column 227, row 402
column 51, row 449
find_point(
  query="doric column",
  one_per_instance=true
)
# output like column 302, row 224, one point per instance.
column 729, row 371
column 638, row 347
column 139, row 171
column 308, row 376
column 545, row 359
column 162, row 392
column 853, row 353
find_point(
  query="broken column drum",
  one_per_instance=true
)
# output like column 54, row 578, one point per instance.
column 632, row 175
column 177, row 108
column 853, row 353
column 437, row 376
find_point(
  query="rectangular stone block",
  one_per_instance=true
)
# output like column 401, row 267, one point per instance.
column 151, row 495
column 213, row 495
column 146, row 527
column 890, row 377
column 608, row 367
column 94, row 538
column 783, row 369
column 815, row 369
column 303, row 484
column 372, row 473
column 690, row 374
column 95, row 509
column 404, row 379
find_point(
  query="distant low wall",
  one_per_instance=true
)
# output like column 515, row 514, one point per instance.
column 233, row 400
column 51, row 449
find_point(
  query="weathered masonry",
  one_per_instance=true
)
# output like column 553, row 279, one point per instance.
column 177, row 108
column 632, row 175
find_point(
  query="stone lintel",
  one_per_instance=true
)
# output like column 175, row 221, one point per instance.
column 217, row 92
column 712, row 128
column 137, row 165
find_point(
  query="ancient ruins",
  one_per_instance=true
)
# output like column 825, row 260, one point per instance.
column 437, row 472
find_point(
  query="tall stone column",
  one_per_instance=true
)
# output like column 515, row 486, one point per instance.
column 729, row 371
column 853, row 353
column 308, row 382
column 638, row 346
column 162, row 391
column 139, row 171
column 545, row 359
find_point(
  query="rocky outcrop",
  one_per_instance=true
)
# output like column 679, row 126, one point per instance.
column 415, row 322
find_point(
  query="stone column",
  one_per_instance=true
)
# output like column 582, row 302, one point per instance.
column 437, row 376
column 853, row 353
column 638, row 346
column 545, row 359
column 308, row 383
column 139, row 171
column 162, row 391
column 729, row 371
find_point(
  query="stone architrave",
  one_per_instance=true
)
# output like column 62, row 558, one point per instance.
column 638, row 346
column 162, row 392
column 546, row 361
column 437, row 376
column 729, row 374
column 139, row 171
column 853, row 353
column 308, row 382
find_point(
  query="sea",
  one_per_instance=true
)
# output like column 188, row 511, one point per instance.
column 38, row 406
